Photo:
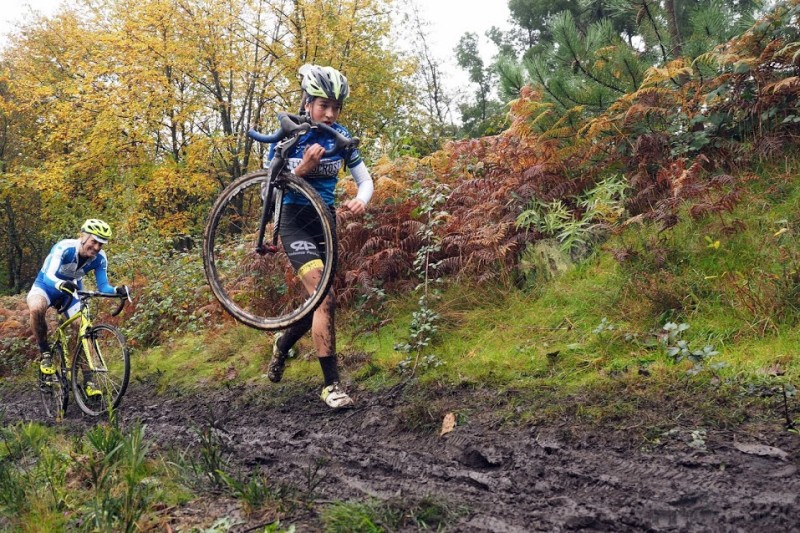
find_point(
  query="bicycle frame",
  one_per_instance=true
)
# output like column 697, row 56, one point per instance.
column 292, row 127
column 62, row 334
column 243, row 255
column 96, row 346
column 273, row 202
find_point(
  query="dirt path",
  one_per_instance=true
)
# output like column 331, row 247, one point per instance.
column 504, row 480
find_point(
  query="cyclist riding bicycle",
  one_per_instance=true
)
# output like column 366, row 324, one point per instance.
column 64, row 268
column 324, row 93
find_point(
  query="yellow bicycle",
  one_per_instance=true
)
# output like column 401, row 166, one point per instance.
column 100, row 356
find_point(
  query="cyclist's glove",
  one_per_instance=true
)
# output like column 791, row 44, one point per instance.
column 123, row 290
column 67, row 286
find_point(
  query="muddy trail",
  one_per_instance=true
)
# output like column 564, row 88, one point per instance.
column 494, row 478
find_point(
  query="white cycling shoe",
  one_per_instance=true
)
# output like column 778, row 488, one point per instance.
column 335, row 396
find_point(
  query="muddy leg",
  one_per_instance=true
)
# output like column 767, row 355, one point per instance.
column 37, row 305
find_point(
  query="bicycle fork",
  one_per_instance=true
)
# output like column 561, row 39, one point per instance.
column 272, row 199
column 92, row 350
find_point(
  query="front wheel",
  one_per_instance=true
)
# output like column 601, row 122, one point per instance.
column 100, row 370
column 255, row 282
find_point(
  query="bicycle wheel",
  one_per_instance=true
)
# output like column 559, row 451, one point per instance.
column 110, row 367
column 259, row 287
column 53, row 389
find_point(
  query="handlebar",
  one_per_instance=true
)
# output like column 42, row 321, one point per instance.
column 123, row 298
column 296, row 125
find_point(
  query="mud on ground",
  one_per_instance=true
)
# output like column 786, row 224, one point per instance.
column 494, row 478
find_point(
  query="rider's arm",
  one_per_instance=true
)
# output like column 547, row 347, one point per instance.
column 363, row 179
column 101, row 274
column 54, row 261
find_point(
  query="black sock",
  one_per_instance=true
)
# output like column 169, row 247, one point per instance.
column 293, row 333
column 329, row 369
column 44, row 347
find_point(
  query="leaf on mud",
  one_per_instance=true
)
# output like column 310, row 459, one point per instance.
column 448, row 424
column 761, row 449
column 774, row 370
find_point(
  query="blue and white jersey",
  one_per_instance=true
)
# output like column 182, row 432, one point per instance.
column 324, row 177
column 62, row 264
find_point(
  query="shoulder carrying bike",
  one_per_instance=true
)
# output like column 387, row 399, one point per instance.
column 246, row 266
column 100, row 349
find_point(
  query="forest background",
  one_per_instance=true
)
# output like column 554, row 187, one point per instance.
column 603, row 236
column 594, row 116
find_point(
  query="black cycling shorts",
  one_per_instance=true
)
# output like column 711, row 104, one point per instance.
column 302, row 237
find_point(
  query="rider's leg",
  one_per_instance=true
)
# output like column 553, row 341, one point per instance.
column 37, row 306
column 323, row 332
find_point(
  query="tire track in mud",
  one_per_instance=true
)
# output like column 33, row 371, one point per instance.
column 508, row 480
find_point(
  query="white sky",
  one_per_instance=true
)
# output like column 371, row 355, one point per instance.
column 15, row 11
column 450, row 19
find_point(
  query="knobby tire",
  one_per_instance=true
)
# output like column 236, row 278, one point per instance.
column 261, row 290
column 112, row 378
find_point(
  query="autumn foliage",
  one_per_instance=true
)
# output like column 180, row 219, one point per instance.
column 153, row 156
column 678, row 140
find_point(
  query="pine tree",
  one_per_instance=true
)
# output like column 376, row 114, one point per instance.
column 601, row 49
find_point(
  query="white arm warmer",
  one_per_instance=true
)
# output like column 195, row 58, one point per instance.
column 362, row 178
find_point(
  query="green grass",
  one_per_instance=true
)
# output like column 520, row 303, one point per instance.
column 238, row 354
column 374, row 516
column 588, row 333
column 583, row 346
column 732, row 278
column 107, row 477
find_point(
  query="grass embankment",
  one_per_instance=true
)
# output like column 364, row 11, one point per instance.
column 593, row 345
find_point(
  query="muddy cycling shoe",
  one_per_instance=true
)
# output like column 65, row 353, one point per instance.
column 278, row 362
column 46, row 365
column 90, row 386
column 276, row 367
column 335, row 396
column 92, row 389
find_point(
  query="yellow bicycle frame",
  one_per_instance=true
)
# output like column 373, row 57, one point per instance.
column 83, row 328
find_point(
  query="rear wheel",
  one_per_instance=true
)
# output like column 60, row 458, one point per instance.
column 53, row 388
column 258, row 285
column 105, row 367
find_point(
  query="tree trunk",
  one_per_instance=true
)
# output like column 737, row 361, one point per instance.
column 674, row 29
column 14, row 252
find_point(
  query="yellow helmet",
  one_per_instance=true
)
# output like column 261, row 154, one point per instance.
column 97, row 229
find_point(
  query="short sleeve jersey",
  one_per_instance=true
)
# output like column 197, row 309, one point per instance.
column 325, row 176
column 63, row 264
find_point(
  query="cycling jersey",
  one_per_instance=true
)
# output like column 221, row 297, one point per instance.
column 324, row 177
column 63, row 264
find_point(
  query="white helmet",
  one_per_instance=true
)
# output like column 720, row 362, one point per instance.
column 324, row 82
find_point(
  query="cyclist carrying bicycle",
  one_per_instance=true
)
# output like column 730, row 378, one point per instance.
column 324, row 92
column 64, row 268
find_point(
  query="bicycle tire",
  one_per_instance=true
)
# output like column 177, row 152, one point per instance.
column 261, row 289
column 53, row 390
column 111, row 360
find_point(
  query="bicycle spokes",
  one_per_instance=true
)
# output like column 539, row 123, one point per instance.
column 102, row 369
column 246, row 264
